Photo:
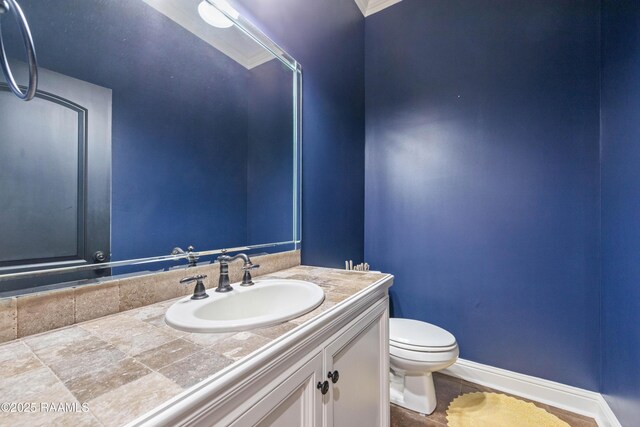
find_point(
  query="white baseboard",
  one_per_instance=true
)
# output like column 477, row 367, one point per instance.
column 561, row 396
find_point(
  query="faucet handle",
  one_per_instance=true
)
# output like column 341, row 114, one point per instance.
column 193, row 278
column 199, row 292
column 246, row 277
column 250, row 266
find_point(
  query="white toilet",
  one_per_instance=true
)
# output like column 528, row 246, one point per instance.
column 416, row 350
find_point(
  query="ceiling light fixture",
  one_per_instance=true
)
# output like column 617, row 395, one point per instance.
column 212, row 16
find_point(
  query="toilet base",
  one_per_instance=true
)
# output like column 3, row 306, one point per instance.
column 415, row 392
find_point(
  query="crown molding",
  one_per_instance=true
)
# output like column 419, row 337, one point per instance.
column 369, row 7
column 362, row 5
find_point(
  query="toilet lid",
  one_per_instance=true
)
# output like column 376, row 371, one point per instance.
column 413, row 333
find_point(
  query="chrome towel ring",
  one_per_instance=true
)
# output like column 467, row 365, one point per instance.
column 29, row 93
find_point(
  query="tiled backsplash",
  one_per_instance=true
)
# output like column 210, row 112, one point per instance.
column 39, row 312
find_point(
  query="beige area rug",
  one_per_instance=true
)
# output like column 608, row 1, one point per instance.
column 498, row 410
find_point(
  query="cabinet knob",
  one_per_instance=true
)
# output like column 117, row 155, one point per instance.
column 323, row 387
column 334, row 376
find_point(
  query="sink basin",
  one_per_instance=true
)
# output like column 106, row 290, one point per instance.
column 266, row 303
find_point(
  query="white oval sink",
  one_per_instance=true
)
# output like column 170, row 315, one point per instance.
column 266, row 303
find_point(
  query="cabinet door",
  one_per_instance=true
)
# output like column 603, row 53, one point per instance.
column 295, row 402
column 360, row 356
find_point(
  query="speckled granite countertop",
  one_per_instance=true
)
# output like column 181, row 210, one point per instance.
column 111, row 370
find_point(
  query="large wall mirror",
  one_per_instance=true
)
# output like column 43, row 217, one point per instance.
column 157, row 124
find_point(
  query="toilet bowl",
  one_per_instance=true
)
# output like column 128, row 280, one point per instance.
column 417, row 349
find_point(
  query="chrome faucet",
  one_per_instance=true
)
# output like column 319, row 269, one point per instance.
column 191, row 256
column 224, row 260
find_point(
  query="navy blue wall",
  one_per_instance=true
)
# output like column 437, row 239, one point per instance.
column 482, row 176
column 270, row 154
column 327, row 38
column 112, row 45
column 621, row 208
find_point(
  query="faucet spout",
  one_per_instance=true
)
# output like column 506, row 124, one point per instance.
column 224, row 260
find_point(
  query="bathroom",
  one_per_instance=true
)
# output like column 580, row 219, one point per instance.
column 220, row 212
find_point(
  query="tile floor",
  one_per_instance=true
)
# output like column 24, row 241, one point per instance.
column 448, row 388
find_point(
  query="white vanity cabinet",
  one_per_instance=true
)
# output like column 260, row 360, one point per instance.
column 351, row 369
column 295, row 402
column 343, row 353
column 359, row 359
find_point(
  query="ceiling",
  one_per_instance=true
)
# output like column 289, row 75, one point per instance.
column 230, row 41
column 369, row 7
